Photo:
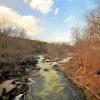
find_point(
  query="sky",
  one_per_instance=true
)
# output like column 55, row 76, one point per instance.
column 47, row 20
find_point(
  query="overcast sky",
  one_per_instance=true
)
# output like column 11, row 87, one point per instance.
column 47, row 20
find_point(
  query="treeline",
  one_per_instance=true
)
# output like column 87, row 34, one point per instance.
column 58, row 50
column 14, row 48
column 87, row 39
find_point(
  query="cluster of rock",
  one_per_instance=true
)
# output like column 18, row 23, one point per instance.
column 9, row 89
column 14, row 78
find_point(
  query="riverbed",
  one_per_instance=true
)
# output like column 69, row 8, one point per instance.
column 52, row 85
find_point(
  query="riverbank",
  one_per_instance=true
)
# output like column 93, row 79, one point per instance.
column 14, row 78
column 71, row 73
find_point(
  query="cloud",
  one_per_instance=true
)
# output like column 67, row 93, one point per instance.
column 69, row 18
column 43, row 6
column 56, row 11
column 30, row 24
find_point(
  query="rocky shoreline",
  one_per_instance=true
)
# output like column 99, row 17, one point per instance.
column 14, row 78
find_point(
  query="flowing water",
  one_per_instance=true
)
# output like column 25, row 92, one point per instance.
column 52, row 85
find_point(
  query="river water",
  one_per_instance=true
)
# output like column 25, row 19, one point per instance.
column 52, row 85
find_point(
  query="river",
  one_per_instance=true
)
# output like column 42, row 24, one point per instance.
column 52, row 85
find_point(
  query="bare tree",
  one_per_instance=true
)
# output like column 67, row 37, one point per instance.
column 8, row 28
column 79, row 44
